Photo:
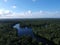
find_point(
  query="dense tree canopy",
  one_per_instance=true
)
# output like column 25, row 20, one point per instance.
column 49, row 29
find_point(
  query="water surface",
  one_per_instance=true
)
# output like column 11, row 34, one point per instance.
column 27, row 31
column 23, row 31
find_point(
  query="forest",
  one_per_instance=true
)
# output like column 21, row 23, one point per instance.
column 48, row 29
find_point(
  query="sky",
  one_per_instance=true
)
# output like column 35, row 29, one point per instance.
column 29, row 9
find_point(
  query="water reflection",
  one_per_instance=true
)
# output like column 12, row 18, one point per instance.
column 23, row 31
column 28, row 31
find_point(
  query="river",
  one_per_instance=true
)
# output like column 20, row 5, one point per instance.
column 28, row 31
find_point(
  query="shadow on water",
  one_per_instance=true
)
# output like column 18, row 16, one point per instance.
column 28, row 31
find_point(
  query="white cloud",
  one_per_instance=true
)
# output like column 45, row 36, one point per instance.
column 5, row 12
column 29, row 11
column 29, row 14
column 1, row 12
column 34, row 0
column 5, row 0
column 14, row 6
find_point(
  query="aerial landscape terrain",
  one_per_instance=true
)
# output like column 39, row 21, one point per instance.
column 45, row 31
column 29, row 22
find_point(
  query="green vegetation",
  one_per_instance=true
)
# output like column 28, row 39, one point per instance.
column 49, row 29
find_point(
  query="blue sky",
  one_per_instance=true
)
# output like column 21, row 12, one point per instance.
column 29, row 8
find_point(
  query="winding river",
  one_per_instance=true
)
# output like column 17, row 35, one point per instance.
column 28, row 31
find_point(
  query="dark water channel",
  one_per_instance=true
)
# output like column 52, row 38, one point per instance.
column 28, row 31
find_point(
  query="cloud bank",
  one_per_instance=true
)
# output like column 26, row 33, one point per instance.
column 28, row 14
